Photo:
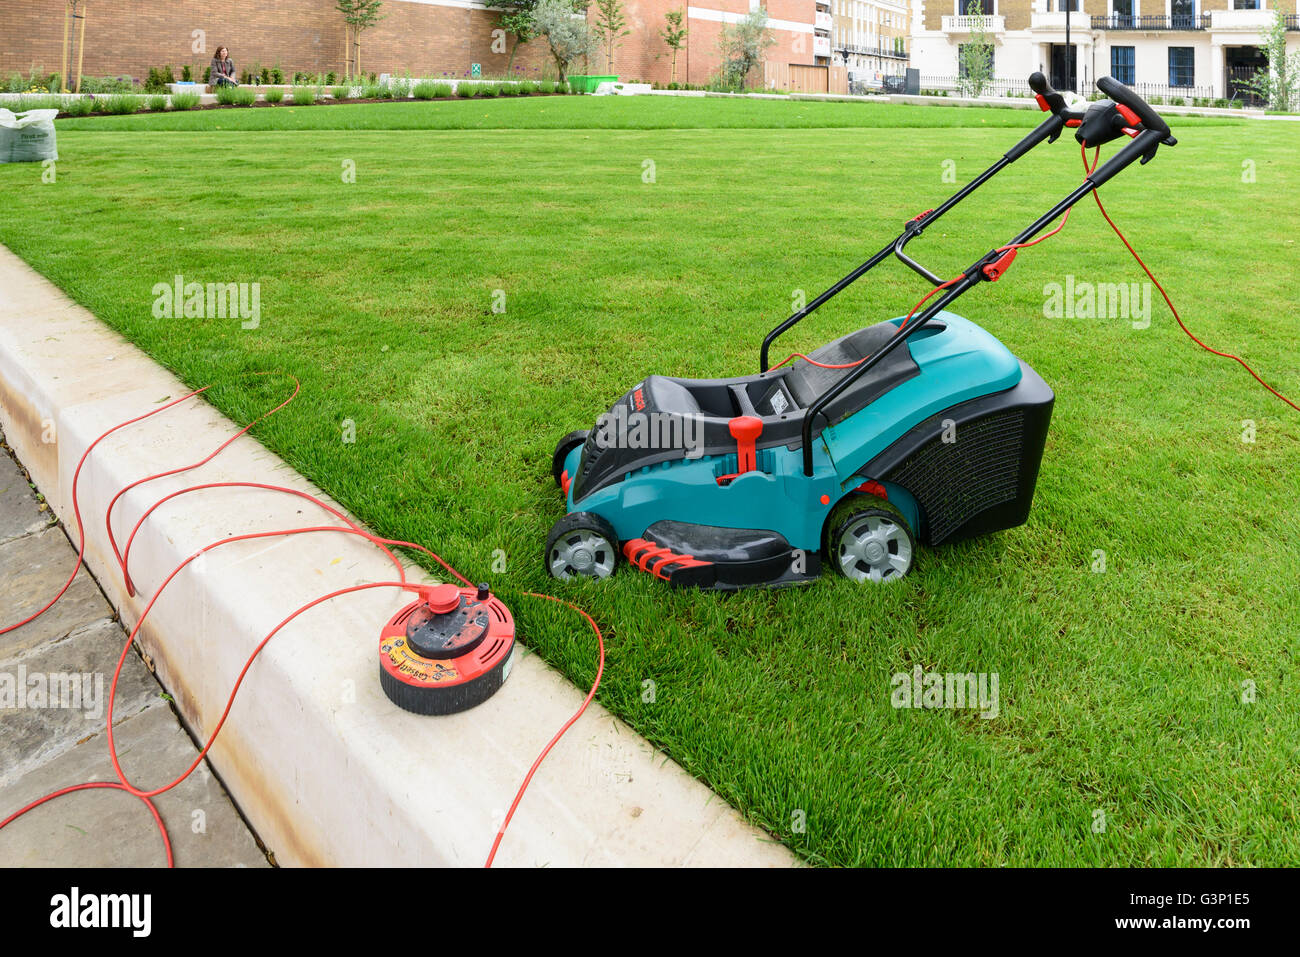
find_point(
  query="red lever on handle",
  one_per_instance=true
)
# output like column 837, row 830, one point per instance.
column 993, row 271
column 745, row 429
column 1130, row 117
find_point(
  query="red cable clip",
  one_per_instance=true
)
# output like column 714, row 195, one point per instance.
column 918, row 218
column 993, row 271
column 1042, row 103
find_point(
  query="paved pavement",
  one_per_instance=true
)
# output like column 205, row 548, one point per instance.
column 54, row 680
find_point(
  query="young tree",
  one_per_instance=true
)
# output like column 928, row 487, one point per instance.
column 517, row 20
column 360, row 16
column 1279, row 84
column 567, row 35
column 742, row 46
column 975, row 57
column 610, row 27
column 673, row 34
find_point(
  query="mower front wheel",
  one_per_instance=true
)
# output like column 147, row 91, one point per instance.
column 562, row 450
column 873, row 545
column 581, row 545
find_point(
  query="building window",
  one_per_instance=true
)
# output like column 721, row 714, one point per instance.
column 962, row 61
column 986, row 7
column 1245, row 4
column 1183, row 14
column 1121, row 64
column 1123, row 12
column 1181, row 69
column 1064, row 6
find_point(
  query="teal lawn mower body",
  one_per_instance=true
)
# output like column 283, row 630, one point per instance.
column 918, row 429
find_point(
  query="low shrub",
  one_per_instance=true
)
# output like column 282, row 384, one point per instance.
column 156, row 103
column 304, row 95
column 1221, row 103
column 466, row 90
column 274, row 94
column 117, row 104
column 489, row 89
column 185, row 101
column 158, row 79
column 424, row 90
column 79, row 106
column 527, row 87
column 1177, row 101
column 244, row 96
column 36, row 102
column 341, row 92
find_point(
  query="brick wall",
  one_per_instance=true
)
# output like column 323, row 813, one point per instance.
column 127, row 37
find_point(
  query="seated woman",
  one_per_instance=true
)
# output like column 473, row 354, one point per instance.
column 223, row 69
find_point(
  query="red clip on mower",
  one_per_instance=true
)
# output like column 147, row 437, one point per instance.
column 923, row 428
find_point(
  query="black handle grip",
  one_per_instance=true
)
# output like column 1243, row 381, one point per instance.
column 1055, row 101
column 1151, row 120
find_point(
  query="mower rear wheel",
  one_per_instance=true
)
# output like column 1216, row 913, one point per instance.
column 873, row 545
column 581, row 545
column 562, row 450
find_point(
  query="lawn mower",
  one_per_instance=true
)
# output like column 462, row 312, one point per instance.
column 922, row 428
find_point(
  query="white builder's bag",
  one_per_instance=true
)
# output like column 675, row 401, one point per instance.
column 27, row 137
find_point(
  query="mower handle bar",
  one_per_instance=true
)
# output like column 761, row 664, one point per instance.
column 1150, row 134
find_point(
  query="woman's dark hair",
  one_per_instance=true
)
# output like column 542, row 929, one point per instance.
column 221, row 50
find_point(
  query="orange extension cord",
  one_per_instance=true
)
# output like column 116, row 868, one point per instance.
column 384, row 544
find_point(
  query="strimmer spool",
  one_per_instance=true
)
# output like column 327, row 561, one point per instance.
column 448, row 651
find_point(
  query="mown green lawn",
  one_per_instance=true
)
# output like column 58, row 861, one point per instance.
column 1121, row 692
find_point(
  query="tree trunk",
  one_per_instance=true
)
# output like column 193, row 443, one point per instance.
column 510, row 61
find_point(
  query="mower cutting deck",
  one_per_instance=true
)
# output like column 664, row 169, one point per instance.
column 917, row 429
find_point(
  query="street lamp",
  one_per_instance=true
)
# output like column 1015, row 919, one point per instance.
column 1069, row 50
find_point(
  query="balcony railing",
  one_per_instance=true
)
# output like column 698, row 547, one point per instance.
column 963, row 24
column 1182, row 21
column 848, row 48
column 822, row 21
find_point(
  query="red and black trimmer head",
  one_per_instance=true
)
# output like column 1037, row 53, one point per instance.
column 447, row 651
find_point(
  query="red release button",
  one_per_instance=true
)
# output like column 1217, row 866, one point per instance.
column 443, row 598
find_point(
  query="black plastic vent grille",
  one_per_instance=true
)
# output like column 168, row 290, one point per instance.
column 955, row 481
